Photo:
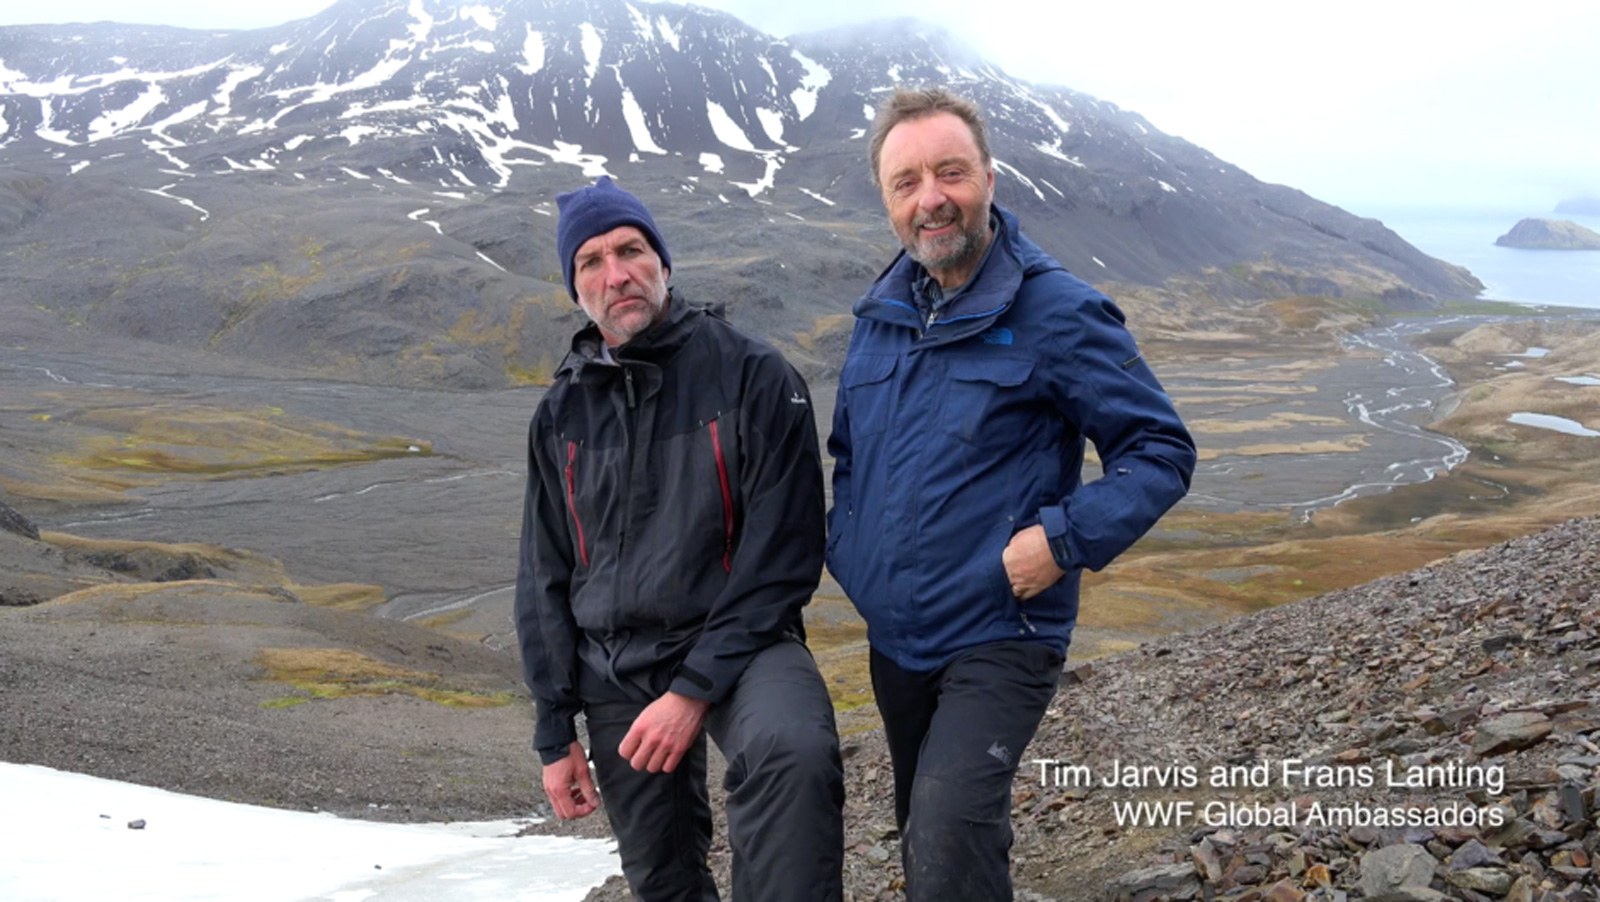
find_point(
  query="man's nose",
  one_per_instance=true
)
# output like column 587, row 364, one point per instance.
column 931, row 196
column 616, row 274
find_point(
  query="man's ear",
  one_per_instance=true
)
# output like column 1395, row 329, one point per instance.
column 666, row 273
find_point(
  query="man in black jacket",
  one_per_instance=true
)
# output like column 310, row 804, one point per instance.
column 672, row 532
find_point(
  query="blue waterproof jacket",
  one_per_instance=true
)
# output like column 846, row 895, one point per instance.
column 950, row 438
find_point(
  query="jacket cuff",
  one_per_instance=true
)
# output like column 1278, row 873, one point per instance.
column 554, row 732
column 1054, row 521
column 691, row 683
column 552, row 754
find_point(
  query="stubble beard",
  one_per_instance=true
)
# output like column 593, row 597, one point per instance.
column 949, row 251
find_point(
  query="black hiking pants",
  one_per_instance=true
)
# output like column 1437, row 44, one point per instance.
column 785, row 784
column 956, row 736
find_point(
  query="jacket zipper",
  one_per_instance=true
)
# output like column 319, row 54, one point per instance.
column 727, row 500
column 572, row 501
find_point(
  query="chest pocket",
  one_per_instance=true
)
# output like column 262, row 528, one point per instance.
column 868, row 384
column 988, row 399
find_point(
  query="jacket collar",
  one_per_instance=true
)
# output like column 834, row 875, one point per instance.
column 989, row 293
column 654, row 345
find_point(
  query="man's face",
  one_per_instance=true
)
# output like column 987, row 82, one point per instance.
column 937, row 189
column 621, row 283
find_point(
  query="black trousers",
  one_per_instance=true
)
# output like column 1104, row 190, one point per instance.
column 956, row 736
column 785, row 785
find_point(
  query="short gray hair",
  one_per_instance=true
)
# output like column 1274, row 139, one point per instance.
column 907, row 104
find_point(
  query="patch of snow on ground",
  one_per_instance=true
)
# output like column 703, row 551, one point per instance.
column 1586, row 379
column 223, row 96
column 67, row 837
column 592, row 45
column 162, row 192
column 726, row 130
column 355, row 133
column 1047, row 184
column 532, row 52
column 354, row 174
column 774, row 163
column 78, row 167
column 1062, row 125
column 711, row 162
column 638, row 128
column 1099, row 261
column 772, row 123
column 1166, row 187
column 1559, row 424
column 482, row 15
column 295, row 142
column 667, row 34
column 816, row 78
column 1017, row 174
column 816, row 195
column 491, row 262
column 641, row 23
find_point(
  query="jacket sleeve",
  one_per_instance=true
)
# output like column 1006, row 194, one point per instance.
column 777, row 561
column 1103, row 386
column 546, row 630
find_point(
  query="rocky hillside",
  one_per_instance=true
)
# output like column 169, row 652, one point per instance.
column 1433, row 735
column 369, row 192
column 1477, row 678
column 1550, row 234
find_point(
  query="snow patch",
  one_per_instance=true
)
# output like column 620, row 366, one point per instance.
column 641, row 23
column 592, row 45
column 296, row 142
column 667, row 33
column 1015, row 173
column 162, row 192
column 1102, row 263
column 726, row 130
column 223, row 96
column 532, row 52
column 774, row 163
column 638, row 128
column 815, row 79
column 1166, row 187
column 78, row 167
column 771, row 123
column 1559, row 424
column 711, row 162
column 814, row 194
column 354, row 174
column 111, row 122
column 502, row 269
column 484, row 18
column 67, row 837
column 1586, row 379
column 355, row 133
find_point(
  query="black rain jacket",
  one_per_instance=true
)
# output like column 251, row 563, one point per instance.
column 673, row 524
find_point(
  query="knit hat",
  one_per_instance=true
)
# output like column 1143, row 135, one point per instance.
column 596, row 210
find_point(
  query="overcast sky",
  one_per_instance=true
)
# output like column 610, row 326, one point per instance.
column 1370, row 104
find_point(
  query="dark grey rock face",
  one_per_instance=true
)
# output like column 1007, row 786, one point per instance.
column 13, row 522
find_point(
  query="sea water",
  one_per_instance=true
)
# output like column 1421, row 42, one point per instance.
column 1466, row 238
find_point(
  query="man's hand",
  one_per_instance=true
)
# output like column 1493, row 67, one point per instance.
column 568, row 787
column 1030, row 567
column 663, row 732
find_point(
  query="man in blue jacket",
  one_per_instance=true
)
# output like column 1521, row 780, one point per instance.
column 960, row 523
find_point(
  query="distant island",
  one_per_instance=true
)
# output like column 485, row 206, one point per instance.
column 1579, row 206
column 1550, row 234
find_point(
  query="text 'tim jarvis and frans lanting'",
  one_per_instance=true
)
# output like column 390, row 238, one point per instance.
column 1293, row 775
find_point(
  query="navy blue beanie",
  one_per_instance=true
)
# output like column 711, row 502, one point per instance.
column 596, row 210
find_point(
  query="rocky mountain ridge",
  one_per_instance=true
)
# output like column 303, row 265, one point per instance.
column 369, row 192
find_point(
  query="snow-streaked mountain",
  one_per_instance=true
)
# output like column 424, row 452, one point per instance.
column 371, row 190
